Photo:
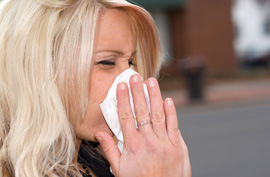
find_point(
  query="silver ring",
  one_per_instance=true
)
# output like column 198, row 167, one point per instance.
column 143, row 123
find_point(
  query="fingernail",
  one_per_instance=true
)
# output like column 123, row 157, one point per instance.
column 99, row 138
column 135, row 78
column 169, row 101
column 152, row 82
column 122, row 86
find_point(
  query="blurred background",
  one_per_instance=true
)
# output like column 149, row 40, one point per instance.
column 217, row 70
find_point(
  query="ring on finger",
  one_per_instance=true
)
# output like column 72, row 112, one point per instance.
column 143, row 123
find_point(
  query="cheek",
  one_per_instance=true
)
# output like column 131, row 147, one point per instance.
column 98, row 89
column 94, row 120
column 100, row 84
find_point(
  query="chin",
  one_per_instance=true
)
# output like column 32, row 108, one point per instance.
column 88, row 134
column 103, row 128
column 108, row 130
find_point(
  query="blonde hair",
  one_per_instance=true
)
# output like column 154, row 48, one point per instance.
column 46, row 48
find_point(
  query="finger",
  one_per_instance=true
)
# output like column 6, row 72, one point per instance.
column 110, row 149
column 172, row 122
column 157, row 110
column 140, row 105
column 186, row 167
column 124, row 112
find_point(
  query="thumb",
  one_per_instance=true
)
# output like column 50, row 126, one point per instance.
column 110, row 149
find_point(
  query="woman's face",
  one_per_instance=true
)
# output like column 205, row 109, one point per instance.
column 115, row 48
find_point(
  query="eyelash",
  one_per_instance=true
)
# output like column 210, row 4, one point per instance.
column 130, row 62
column 106, row 62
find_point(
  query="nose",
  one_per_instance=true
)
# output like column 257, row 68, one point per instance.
column 122, row 67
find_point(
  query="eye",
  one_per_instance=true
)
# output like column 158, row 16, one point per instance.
column 130, row 62
column 106, row 62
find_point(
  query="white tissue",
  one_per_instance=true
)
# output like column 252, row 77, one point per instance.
column 109, row 105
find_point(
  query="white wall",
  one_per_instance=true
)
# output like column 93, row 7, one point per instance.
column 249, row 17
column 161, row 19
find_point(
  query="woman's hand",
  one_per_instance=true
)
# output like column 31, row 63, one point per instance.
column 152, row 150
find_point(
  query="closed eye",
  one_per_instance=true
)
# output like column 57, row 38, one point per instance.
column 130, row 62
column 106, row 62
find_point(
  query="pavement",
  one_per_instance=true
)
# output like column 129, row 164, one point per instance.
column 228, row 133
column 222, row 93
column 228, row 141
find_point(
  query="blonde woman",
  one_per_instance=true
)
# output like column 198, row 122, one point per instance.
column 58, row 59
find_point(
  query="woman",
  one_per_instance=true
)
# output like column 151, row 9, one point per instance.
column 58, row 59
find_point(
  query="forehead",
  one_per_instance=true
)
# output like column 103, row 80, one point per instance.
column 114, row 31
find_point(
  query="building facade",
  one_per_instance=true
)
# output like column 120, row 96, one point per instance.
column 195, row 30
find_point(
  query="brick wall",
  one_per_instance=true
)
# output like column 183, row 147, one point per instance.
column 203, row 28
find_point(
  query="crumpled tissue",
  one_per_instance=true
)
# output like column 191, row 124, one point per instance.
column 109, row 105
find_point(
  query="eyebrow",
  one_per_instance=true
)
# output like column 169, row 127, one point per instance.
column 115, row 51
